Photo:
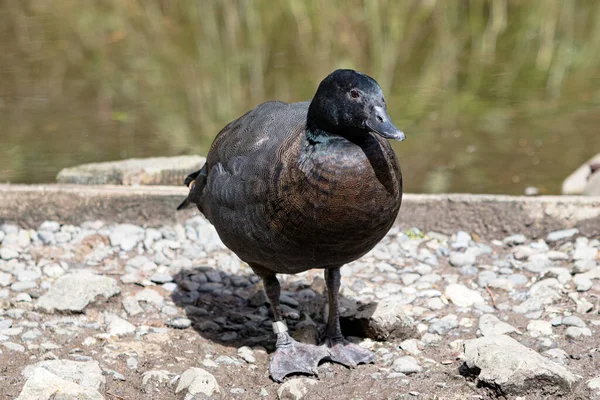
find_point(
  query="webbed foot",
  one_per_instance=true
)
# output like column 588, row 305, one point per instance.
column 349, row 354
column 296, row 358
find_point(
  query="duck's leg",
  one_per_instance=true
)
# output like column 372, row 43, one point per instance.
column 291, row 357
column 340, row 350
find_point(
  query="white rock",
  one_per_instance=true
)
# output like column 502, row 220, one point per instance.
column 594, row 384
column 86, row 374
column 582, row 283
column 411, row 346
column 575, row 332
column 246, row 354
column 150, row 296
column 50, row 226
column 295, row 389
column 514, row 240
column 461, row 259
column 573, row 320
column 5, row 279
column 537, row 328
column 197, row 381
column 126, row 236
column 407, row 365
column 557, row 355
column 562, row 234
column 541, row 294
column 44, row 385
column 14, row 347
column 490, row 325
column 131, row 306
column 53, row 270
column 118, row 326
column 444, row 324
column 502, row 362
column 554, row 255
column 462, row 296
column 8, row 253
column 74, row 292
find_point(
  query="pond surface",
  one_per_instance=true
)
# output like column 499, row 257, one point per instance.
column 494, row 96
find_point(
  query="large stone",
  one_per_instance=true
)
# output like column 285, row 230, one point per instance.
column 73, row 292
column 44, row 385
column 502, row 363
column 84, row 373
column 382, row 320
column 197, row 381
column 135, row 171
column 577, row 182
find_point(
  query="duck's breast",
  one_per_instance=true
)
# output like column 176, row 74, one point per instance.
column 335, row 200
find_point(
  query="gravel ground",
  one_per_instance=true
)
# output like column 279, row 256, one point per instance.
column 125, row 312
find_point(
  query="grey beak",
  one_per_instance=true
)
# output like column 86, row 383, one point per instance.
column 380, row 123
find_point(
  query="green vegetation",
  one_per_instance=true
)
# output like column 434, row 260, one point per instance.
column 493, row 95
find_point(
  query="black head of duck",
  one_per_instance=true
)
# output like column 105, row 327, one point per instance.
column 350, row 104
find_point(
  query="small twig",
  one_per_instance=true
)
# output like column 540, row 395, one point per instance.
column 491, row 296
column 116, row 395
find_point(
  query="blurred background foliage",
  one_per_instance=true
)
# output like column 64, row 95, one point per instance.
column 494, row 95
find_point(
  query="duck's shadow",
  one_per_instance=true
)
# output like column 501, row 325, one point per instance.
column 233, row 310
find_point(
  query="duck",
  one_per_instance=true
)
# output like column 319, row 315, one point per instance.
column 291, row 187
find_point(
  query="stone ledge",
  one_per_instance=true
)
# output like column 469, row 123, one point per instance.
column 133, row 171
column 489, row 216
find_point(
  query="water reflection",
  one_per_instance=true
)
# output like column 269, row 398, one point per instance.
column 494, row 95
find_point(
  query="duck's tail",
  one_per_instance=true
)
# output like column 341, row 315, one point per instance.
column 196, row 183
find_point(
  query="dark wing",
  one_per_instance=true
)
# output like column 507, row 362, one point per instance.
column 239, row 162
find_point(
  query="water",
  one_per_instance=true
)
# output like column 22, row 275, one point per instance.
column 494, row 95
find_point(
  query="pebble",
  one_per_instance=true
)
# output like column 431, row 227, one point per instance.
column 574, row 332
column 247, row 354
column 444, row 324
column 198, row 381
column 407, row 365
column 180, row 323
column 411, row 346
column 118, row 326
column 514, row 240
column 161, row 278
column 8, row 253
column 573, row 320
column 462, row 296
column 295, row 389
column 150, row 296
column 537, row 328
column 490, row 325
column 562, row 234
column 462, row 259
column 131, row 306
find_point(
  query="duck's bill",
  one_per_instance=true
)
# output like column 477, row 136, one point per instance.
column 381, row 124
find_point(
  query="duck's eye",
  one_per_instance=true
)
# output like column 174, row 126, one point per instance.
column 354, row 94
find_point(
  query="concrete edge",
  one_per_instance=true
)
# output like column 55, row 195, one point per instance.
column 489, row 216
